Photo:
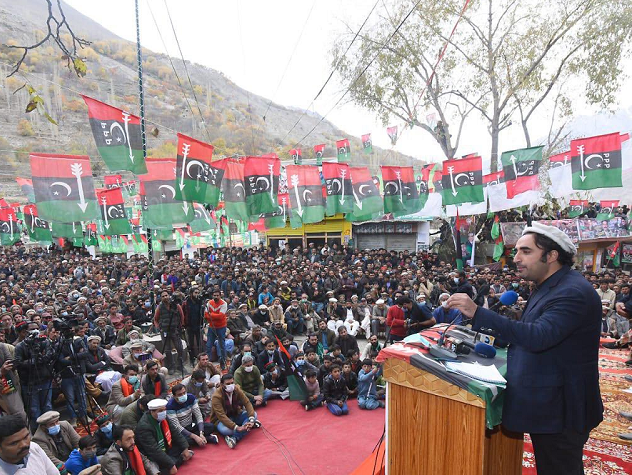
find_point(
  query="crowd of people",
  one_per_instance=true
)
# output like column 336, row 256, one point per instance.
column 234, row 327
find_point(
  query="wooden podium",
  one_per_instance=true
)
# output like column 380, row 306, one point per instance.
column 434, row 427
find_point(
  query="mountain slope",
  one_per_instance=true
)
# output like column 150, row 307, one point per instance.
column 232, row 117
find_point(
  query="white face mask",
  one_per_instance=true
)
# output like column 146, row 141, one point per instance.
column 456, row 280
column 162, row 416
column 248, row 369
column 444, row 304
column 229, row 388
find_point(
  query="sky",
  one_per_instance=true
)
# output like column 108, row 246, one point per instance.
column 252, row 42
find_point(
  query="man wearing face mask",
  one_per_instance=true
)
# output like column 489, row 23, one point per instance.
column 169, row 319
column 232, row 412
column 83, row 457
column 132, row 413
column 159, row 439
column 275, row 382
column 103, row 434
column 123, row 456
column 461, row 285
column 124, row 392
column 136, row 340
column 444, row 314
column 193, row 312
column 184, row 414
column 56, row 438
column 248, row 377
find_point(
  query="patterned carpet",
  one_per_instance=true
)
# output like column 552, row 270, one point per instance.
column 605, row 453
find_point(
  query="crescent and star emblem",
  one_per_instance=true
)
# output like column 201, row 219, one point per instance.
column 7, row 225
column 360, row 189
column 305, row 193
column 589, row 158
column 193, row 163
column 456, row 179
column 342, row 150
column 394, row 184
column 334, row 182
column 62, row 184
column 266, row 181
column 119, row 141
column 242, row 187
column 113, row 208
column 170, row 188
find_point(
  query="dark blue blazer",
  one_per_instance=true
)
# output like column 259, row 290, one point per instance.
column 552, row 373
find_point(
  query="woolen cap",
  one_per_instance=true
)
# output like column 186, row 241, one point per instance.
column 156, row 404
column 554, row 234
column 48, row 417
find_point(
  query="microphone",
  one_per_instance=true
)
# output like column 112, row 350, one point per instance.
column 438, row 351
column 481, row 349
column 506, row 299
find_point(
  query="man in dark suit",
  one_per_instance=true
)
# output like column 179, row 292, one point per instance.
column 552, row 373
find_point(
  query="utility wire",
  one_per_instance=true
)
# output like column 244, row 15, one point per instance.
column 186, row 70
column 289, row 60
column 164, row 45
column 361, row 73
column 334, row 69
column 243, row 57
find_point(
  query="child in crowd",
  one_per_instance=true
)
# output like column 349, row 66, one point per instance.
column 351, row 379
column 367, row 386
column 314, row 398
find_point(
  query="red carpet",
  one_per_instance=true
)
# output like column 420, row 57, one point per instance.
column 319, row 442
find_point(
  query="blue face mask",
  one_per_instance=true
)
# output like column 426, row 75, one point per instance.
column 198, row 385
column 247, row 353
column 300, row 362
column 54, row 430
column 107, row 429
column 132, row 379
column 182, row 399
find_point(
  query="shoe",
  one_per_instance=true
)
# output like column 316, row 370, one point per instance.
column 628, row 363
column 212, row 439
column 230, row 441
column 627, row 415
column 627, row 377
column 612, row 345
column 381, row 404
column 627, row 436
column 306, row 407
column 256, row 424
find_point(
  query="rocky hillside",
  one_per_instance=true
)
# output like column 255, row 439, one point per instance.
column 233, row 117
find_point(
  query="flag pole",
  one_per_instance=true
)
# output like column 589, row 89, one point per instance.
column 141, row 99
column 457, row 241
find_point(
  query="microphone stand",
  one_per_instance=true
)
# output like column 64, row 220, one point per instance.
column 438, row 351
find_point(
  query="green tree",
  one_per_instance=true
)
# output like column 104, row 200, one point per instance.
column 504, row 60
column 25, row 129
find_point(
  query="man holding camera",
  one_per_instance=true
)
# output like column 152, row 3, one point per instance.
column 169, row 320
column 34, row 360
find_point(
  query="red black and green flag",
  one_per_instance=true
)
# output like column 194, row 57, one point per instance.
column 305, row 188
column 492, row 179
column 614, row 254
column 577, row 208
column 38, row 229
column 63, row 187
column 338, row 186
column 392, row 134
column 297, row 156
column 607, row 210
column 234, row 191
column 67, row 230
column 462, row 181
column 161, row 208
column 198, row 177
column 9, row 227
column 367, row 143
column 202, row 221
column 521, row 169
column 344, row 150
column 112, row 181
column 139, row 241
column 596, row 162
column 261, row 177
column 90, row 236
column 114, row 219
column 26, row 186
column 117, row 136
column 401, row 195
column 319, row 153
column 367, row 202
column 278, row 219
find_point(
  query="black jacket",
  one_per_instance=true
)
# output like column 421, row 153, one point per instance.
column 347, row 343
column 34, row 361
column 335, row 389
column 147, row 441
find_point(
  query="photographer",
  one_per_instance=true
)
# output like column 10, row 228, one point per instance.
column 10, row 400
column 71, row 367
column 169, row 320
column 193, row 318
column 34, row 360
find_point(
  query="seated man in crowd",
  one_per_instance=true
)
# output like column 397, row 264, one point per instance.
column 249, row 380
column 16, row 447
column 124, row 458
column 271, row 354
column 159, row 439
column 124, row 392
column 98, row 363
column 198, row 386
column 56, row 438
column 134, row 338
column 275, row 382
column 184, row 414
column 83, row 457
column 154, row 382
column 232, row 412
column 103, row 434
column 132, row 414
column 105, row 332
column 122, row 337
